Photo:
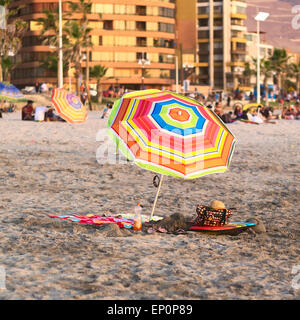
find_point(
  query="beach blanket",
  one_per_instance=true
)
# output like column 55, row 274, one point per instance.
column 122, row 220
column 230, row 228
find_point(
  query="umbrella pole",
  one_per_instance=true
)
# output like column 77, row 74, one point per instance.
column 157, row 193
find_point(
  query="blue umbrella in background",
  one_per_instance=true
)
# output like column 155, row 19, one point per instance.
column 9, row 92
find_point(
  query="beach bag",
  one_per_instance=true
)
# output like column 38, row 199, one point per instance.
column 208, row 216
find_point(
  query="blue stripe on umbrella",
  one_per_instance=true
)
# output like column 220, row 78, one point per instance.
column 187, row 131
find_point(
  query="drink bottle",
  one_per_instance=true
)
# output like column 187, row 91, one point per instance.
column 137, row 225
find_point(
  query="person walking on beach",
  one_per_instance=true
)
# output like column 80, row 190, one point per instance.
column 37, row 87
column 228, row 100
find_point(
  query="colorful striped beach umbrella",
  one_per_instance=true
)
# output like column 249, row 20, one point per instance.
column 9, row 92
column 170, row 134
column 69, row 106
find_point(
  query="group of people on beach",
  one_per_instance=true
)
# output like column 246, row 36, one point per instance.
column 261, row 114
column 291, row 113
column 40, row 113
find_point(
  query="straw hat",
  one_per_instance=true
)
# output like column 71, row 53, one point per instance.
column 216, row 204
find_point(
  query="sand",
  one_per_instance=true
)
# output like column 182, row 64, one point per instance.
column 51, row 168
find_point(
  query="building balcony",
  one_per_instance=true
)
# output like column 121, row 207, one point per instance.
column 239, row 51
column 236, row 64
column 241, row 16
column 238, row 39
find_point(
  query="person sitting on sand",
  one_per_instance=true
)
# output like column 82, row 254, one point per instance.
column 267, row 114
column 219, row 110
column 256, row 117
column 238, row 112
column 27, row 111
column 51, row 116
column 288, row 113
column 225, row 117
column 39, row 114
column 106, row 111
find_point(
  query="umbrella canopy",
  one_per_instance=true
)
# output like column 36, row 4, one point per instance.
column 170, row 134
column 9, row 92
column 253, row 105
column 69, row 106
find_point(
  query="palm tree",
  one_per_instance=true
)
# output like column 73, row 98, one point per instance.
column 248, row 71
column 7, row 67
column 266, row 70
column 51, row 63
column 77, row 35
column 279, row 61
column 295, row 72
column 11, row 36
column 49, row 36
column 98, row 72
column 84, row 8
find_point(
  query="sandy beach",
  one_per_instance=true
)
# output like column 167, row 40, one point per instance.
column 51, row 168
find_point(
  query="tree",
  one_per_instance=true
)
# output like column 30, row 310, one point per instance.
column 267, row 72
column 77, row 35
column 7, row 67
column 98, row 72
column 84, row 8
column 279, row 62
column 248, row 71
column 295, row 71
column 11, row 38
column 49, row 36
column 51, row 64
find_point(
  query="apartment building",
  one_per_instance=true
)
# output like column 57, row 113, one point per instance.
column 221, row 43
column 128, row 31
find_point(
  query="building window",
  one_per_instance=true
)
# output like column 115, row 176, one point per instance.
column 166, row 12
column 237, row 22
column 203, row 34
column 102, row 8
column 119, row 25
column 218, row 57
column 218, row 34
column 152, row 26
column 165, row 27
column 203, row 10
column 203, row 22
column 130, row 9
column 141, row 55
column 241, row 10
column 163, row 43
column 140, row 25
column 218, row 22
column 203, row 47
column 249, row 37
column 130, row 25
column 218, row 9
column 152, row 11
column 141, row 42
column 120, row 9
column 141, row 10
column 108, row 25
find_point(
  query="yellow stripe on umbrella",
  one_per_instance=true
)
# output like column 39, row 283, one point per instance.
column 69, row 106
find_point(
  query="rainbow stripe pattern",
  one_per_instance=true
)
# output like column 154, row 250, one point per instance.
column 69, row 106
column 170, row 134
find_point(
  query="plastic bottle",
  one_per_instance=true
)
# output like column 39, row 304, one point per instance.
column 137, row 225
